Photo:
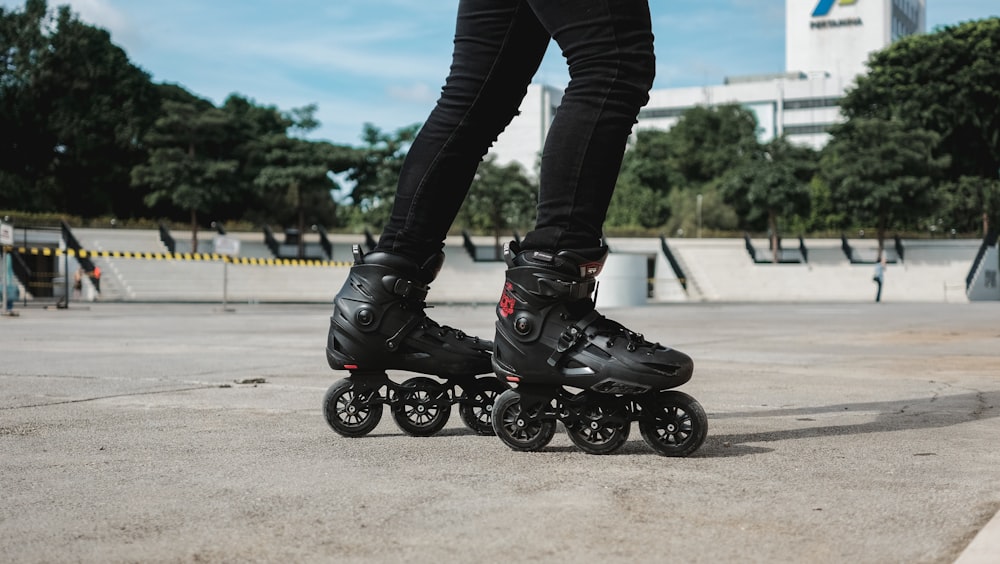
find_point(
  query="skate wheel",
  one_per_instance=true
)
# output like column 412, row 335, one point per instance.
column 348, row 412
column 477, row 410
column 422, row 407
column 518, row 426
column 602, row 428
column 673, row 423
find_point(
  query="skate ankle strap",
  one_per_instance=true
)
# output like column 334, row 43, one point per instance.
column 562, row 288
column 405, row 288
column 571, row 336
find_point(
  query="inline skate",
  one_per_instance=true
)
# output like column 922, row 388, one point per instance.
column 379, row 324
column 571, row 364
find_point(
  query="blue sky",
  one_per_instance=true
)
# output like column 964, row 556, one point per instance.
column 383, row 61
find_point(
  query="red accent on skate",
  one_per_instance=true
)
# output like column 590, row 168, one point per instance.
column 591, row 269
column 506, row 305
column 350, row 366
column 514, row 379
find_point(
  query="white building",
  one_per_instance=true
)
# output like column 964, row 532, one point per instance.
column 522, row 141
column 836, row 36
column 827, row 43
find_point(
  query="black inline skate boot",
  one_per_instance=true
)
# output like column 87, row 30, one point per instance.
column 379, row 324
column 550, row 340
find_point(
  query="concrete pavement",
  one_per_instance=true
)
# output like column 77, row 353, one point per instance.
column 181, row 433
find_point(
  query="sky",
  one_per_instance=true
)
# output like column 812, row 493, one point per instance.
column 383, row 61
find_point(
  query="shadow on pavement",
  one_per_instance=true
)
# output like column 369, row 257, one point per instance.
column 933, row 412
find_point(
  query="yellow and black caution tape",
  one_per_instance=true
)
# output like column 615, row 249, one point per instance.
column 284, row 262
column 83, row 253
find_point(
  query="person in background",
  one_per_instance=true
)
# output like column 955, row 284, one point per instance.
column 879, row 276
column 95, row 277
column 78, row 283
column 13, row 291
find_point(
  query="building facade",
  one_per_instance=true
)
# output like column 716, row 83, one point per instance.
column 827, row 43
column 522, row 141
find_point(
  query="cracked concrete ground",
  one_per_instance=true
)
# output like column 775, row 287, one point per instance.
column 181, row 433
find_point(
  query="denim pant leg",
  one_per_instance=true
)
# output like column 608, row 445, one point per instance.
column 608, row 45
column 498, row 47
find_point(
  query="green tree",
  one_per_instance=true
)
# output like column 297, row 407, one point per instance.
column 71, row 109
column 25, row 143
column 707, row 142
column 296, row 172
column 664, row 171
column 190, row 161
column 713, row 212
column 500, row 198
column 970, row 201
column 648, row 160
column 944, row 82
column 376, row 174
column 639, row 200
column 882, row 172
column 772, row 184
column 635, row 205
column 251, row 123
column 823, row 216
column 300, row 171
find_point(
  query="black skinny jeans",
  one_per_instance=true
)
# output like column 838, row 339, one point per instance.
column 499, row 44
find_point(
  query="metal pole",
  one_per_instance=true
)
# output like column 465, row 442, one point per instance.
column 225, row 282
column 699, row 215
column 3, row 276
column 66, row 287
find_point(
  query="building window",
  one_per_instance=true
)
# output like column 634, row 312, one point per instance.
column 807, row 129
column 649, row 113
column 810, row 103
column 904, row 18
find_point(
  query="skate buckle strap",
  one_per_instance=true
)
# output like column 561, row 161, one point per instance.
column 392, row 343
column 404, row 288
column 574, row 290
column 571, row 336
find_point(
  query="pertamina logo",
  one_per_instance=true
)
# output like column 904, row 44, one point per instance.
column 823, row 9
column 824, row 6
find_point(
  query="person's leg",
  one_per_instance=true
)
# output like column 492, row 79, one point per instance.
column 547, row 330
column 378, row 320
column 608, row 45
column 498, row 47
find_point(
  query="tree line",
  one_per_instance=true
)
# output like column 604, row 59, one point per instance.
column 918, row 151
column 84, row 132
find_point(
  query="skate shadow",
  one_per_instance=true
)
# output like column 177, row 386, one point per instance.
column 933, row 412
column 458, row 432
column 391, row 431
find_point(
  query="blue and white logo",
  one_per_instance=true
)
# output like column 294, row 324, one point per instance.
column 824, row 6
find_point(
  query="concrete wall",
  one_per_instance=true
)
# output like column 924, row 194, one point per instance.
column 717, row 270
column 985, row 284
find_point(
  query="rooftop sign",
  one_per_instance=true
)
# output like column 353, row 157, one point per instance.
column 823, row 9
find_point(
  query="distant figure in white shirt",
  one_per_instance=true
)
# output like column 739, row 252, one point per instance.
column 879, row 277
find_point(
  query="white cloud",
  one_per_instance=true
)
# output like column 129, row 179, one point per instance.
column 417, row 92
column 324, row 55
column 102, row 13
